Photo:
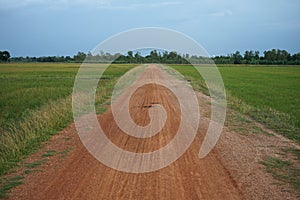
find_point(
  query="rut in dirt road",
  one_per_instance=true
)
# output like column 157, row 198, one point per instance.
column 81, row 176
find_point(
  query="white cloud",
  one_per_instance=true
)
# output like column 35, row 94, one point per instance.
column 221, row 13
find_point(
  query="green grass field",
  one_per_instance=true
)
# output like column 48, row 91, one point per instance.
column 268, row 94
column 35, row 100
column 35, row 103
column 26, row 87
column 273, row 87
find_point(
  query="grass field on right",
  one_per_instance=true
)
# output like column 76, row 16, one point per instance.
column 268, row 94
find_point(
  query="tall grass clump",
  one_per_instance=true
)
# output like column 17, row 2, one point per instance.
column 23, row 137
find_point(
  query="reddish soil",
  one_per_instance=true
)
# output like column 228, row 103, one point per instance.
column 220, row 175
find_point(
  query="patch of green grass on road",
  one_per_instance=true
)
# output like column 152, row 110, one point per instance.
column 282, row 170
column 9, row 184
column 49, row 153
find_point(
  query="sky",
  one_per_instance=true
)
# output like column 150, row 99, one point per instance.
column 64, row 27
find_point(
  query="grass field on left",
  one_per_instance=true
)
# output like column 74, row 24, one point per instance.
column 35, row 103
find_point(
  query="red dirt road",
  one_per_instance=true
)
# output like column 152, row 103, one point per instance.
column 81, row 176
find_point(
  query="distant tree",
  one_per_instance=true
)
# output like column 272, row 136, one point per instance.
column 164, row 57
column 172, row 57
column 138, row 58
column 154, row 57
column 223, row 59
column 121, row 59
column 4, row 56
column 186, row 56
column 79, row 57
column 256, row 55
column 237, row 57
column 130, row 56
column 296, row 57
column 283, row 56
column 251, row 57
column 89, row 54
column 68, row 58
column 277, row 56
column 248, row 56
column 109, row 57
column 116, row 56
column 270, row 56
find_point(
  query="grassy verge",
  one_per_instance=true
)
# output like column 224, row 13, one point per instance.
column 283, row 170
column 27, row 134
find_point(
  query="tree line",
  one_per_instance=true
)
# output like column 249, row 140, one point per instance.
column 274, row 56
column 270, row 57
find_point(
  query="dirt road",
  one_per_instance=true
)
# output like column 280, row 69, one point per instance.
column 81, row 176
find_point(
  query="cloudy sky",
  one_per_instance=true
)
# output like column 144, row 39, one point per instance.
column 64, row 27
